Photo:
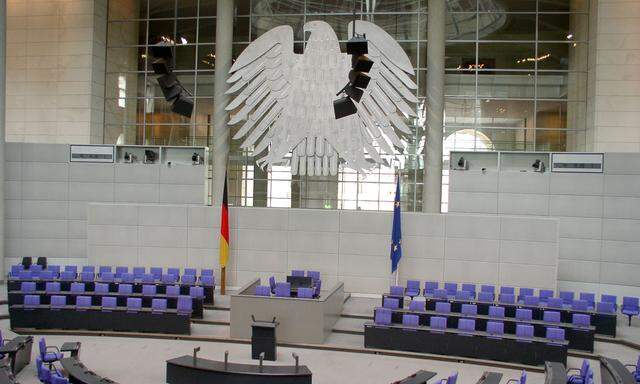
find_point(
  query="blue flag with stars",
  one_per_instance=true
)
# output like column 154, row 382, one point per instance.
column 396, row 232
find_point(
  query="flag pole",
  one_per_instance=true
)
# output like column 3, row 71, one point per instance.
column 223, row 282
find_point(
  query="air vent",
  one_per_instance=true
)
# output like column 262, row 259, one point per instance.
column 577, row 162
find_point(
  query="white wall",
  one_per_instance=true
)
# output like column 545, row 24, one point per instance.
column 46, row 197
column 55, row 70
column 598, row 214
column 347, row 246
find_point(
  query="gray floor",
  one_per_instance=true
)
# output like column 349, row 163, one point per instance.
column 129, row 360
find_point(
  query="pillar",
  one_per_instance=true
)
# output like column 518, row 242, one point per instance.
column 220, row 143
column 432, row 191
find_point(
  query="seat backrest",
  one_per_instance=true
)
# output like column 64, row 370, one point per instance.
column 156, row 272
column 430, row 286
column 191, row 271
column 173, row 290
column 584, row 368
column 545, row 294
column 52, row 286
column 629, row 302
column 138, row 272
column 47, row 275
column 495, row 327
column 417, row 305
column 58, row 301
column 382, row 316
column 524, row 314
column 317, row 288
column 507, row 298
column 125, row 288
column 208, row 280
column 463, row 295
column 507, row 290
column 134, row 304
column 555, row 333
column 120, row 271
column 524, row 292
column 83, row 302
column 67, row 275
column 42, row 347
column 148, row 290
column 413, row 285
column 54, row 268
column 184, row 304
column 148, row 278
column 109, row 302
column 497, row 312
column 438, row 322
column 440, row 293
column 453, row 378
column 488, row 288
column 567, row 296
column 469, row 309
column 297, row 272
column 396, row 290
column 442, row 307
column 107, row 276
column 198, row 292
column 105, row 268
column 25, row 275
column 272, row 283
column 71, row 268
column 174, row 271
column 89, row 268
column 609, row 298
column 523, row 377
column 188, row 279
column 580, row 305
column 305, row 293
column 28, row 286
column 451, row 288
column 127, row 277
column 169, row 278
column 524, row 330
column 388, row 302
column 581, row 319
column 77, row 287
column 263, row 290
column 283, row 289
column 206, row 272
column 410, row 320
column 87, row 276
column 555, row 302
column 485, row 296
column 551, row 316
column 31, row 301
column 532, row 300
column 605, row 307
column 467, row 324
column 588, row 297
column 315, row 276
column 158, row 305
column 101, row 288
column 469, row 288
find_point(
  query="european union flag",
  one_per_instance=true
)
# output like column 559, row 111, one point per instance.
column 396, row 233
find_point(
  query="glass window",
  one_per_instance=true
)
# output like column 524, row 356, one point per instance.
column 506, row 56
column 506, row 84
column 508, row 26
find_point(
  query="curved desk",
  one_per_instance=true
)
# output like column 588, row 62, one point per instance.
column 6, row 377
column 184, row 370
column 612, row 371
column 79, row 374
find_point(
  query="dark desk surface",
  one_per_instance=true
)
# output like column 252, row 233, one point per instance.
column 554, row 373
column 489, row 318
column 236, row 368
column 473, row 333
column 93, row 308
column 264, row 324
column 490, row 378
column 70, row 346
column 15, row 344
column 75, row 369
column 614, row 372
column 420, row 377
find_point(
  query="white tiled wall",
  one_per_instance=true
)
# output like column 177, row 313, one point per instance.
column 46, row 201
column 348, row 246
column 55, row 70
column 598, row 214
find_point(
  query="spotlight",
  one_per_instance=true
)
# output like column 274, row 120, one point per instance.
column 359, row 79
column 160, row 66
column 149, row 156
column 344, row 106
column 538, row 166
column 163, row 49
column 354, row 93
column 463, row 165
column 170, row 86
column 361, row 63
column 357, row 45
column 182, row 106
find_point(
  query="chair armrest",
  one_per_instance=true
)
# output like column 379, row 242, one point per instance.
column 573, row 369
column 512, row 381
column 52, row 347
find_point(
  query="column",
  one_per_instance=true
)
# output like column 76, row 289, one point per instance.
column 220, row 142
column 432, row 191
column 3, row 69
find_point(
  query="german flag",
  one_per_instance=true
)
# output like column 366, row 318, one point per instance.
column 224, row 233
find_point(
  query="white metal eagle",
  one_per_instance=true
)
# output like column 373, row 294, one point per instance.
column 286, row 100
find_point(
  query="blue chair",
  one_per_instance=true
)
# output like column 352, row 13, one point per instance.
column 469, row 309
column 410, row 320
column 46, row 356
column 438, row 323
column 101, row 289
column 138, row 272
column 189, row 279
column 488, row 291
column 580, row 305
column 105, row 268
column 134, row 304
column 71, row 268
column 486, row 296
column 109, row 303
column 272, row 284
column 590, row 298
column 316, row 290
column 297, row 272
column 25, row 275
column 545, row 294
column 208, row 281
column 127, row 278
column 391, row 303
column 197, row 292
column 173, row 291
column 185, row 305
column 521, row 380
column 430, row 288
column 463, row 295
column 15, row 270
column 417, row 305
column 413, row 288
column 440, row 294
column 28, row 286
column 57, row 378
column 382, row 316
column 495, row 329
column 507, row 298
column 555, row 335
column 524, row 314
column 89, row 269
column 581, row 377
column 77, row 287
column 396, row 290
column 507, row 290
column 567, row 297
column 630, row 307
column 52, row 287
column 169, row 278
column 107, row 277
column 175, row 272
column 467, row 325
column 191, row 271
column 67, row 276
column 120, row 271
column 47, row 275
column 158, row 305
column 524, row 332
column 125, row 289
column 471, row 288
column 148, row 278
column 524, row 292
column 55, row 269
column 87, row 276
column 604, row 307
column 31, row 302
column 156, row 272
column 305, row 293
column 206, row 272
column 283, row 290
column 581, row 320
column 442, row 307
column 533, row 301
column 452, row 379
column 551, row 316
column 148, row 290
column 496, row 312
column 451, row 288
column 83, row 303
column 262, row 290
column 58, row 302
column 555, row 302
column 610, row 299
column 315, row 276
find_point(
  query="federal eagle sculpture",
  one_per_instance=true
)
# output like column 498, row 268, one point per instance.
column 286, row 100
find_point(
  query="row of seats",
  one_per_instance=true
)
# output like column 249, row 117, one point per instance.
column 494, row 328
column 578, row 319
column 134, row 304
column 106, row 274
column 284, row 290
column 103, row 288
column 315, row 275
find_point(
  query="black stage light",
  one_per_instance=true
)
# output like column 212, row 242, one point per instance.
column 170, row 86
column 26, row 262
column 344, row 106
column 359, row 79
column 354, row 93
column 160, row 66
column 182, row 106
column 361, row 63
column 462, row 163
column 357, row 45
column 163, row 49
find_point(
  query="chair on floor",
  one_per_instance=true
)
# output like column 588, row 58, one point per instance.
column 197, row 292
column 125, row 289
column 391, row 303
column 83, row 303
column 507, row 290
column 469, row 309
column 158, row 305
column 555, row 335
column 610, row 299
column 297, row 272
column 109, row 303
column 567, row 297
column 495, row 329
column 156, row 272
column 451, row 288
column 57, row 302
column 206, row 272
column 191, row 271
column 101, row 289
column 604, row 307
column 545, row 294
column 148, row 278
column 507, row 298
column 172, row 291
column 590, row 298
column 496, row 312
column 55, row 269
column 555, row 302
column 148, row 290
column 452, row 379
column 467, row 325
column 104, row 268
column 316, row 290
column 438, row 323
column 77, row 288
column 208, row 281
column 443, row 307
column 44, row 373
column 413, row 288
column 57, row 378
column 120, row 271
column 134, row 304
column 25, row 275
column 396, row 290
column 581, row 376
column 71, row 268
column 463, row 295
column 262, row 290
column 532, row 301
column 28, row 286
column 581, row 320
column 189, row 279
column 315, row 276
column 580, row 305
column 488, row 289
column 46, row 275
column 305, row 293
column 15, row 270
column 524, row 292
column 417, row 305
column 87, row 276
column 382, row 316
column 169, row 278
column 630, row 307
column 49, row 354
column 551, row 316
column 127, row 278
column 175, row 272
column 524, row 314
column 410, row 320
column 440, row 294
column 52, row 287
column 31, row 301
column 521, row 380
column 486, row 296
column 107, row 277
column 471, row 288
column 430, row 288
column 283, row 290
column 524, row 332
column 138, row 272
column 89, row 268
column 67, row 276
